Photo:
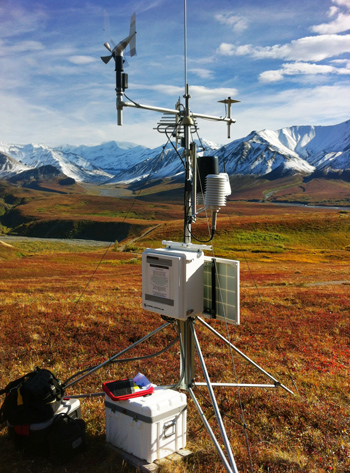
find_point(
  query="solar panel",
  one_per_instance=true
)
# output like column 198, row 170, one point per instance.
column 221, row 289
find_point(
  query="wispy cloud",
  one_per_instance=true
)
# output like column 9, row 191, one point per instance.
column 301, row 68
column 237, row 23
column 8, row 49
column 196, row 91
column 15, row 20
column 297, row 106
column 202, row 73
column 310, row 48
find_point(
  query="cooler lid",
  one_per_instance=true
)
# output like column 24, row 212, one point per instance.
column 159, row 405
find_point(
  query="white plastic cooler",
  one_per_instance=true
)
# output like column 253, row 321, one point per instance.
column 150, row 427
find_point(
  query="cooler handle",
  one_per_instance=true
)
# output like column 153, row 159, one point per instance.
column 169, row 428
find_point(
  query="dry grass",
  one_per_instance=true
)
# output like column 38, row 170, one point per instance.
column 295, row 304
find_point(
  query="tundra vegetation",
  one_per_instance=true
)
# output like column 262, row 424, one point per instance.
column 66, row 307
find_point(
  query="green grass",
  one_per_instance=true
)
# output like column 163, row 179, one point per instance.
column 119, row 262
column 46, row 247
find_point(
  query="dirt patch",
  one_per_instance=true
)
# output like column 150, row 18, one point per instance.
column 2, row 243
column 327, row 283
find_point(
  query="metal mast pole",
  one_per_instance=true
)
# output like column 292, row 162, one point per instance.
column 187, row 121
column 119, row 61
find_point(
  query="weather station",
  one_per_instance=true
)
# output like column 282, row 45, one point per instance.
column 179, row 281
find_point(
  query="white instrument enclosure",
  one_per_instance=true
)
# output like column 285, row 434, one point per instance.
column 172, row 282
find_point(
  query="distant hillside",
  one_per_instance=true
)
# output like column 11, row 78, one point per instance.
column 46, row 178
column 43, row 172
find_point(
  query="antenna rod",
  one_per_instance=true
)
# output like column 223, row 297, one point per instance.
column 185, row 40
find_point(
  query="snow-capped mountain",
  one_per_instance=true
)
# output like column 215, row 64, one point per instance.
column 112, row 157
column 297, row 149
column 274, row 154
column 326, row 148
column 9, row 166
column 257, row 156
column 70, row 164
column 309, row 150
column 162, row 162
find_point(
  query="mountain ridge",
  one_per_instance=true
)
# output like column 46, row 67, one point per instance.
column 323, row 151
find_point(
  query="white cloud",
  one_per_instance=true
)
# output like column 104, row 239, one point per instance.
column 228, row 49
column 205, row 92
column 81, row 60
column 237, row 23
column 345, row 3
column 202, row 73
column 310, row 48
column 339, row 25
column 333, row 11
column 271, row 76
column 340, row 61
column 300, row 68
column 161, row 88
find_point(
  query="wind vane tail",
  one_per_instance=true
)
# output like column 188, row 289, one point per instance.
column 132, row 33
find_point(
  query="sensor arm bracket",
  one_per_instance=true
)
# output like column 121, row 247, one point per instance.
column 121, row 104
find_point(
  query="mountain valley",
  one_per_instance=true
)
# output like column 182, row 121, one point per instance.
column 75, row 190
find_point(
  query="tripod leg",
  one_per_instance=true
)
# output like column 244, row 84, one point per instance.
column 214, row 403
column 211, row 433
column 277, row 383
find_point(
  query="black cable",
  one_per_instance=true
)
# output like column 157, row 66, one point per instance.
column 193, row 236
column 197, row 239
column 135, row 103
column 172, row 144
column 169, row 139
column 145, row 357
column 124, row 360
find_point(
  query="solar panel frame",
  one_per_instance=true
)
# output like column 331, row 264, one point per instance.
column 221, row 288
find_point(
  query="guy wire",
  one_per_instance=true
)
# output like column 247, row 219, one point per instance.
column 110, row 244
column 260, row 297
column 231, row 351
column 236, row 379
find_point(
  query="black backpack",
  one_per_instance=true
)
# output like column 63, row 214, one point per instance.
column 67, row 437
column 34, row 398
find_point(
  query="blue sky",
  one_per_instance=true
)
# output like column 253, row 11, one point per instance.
column 288, row 62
